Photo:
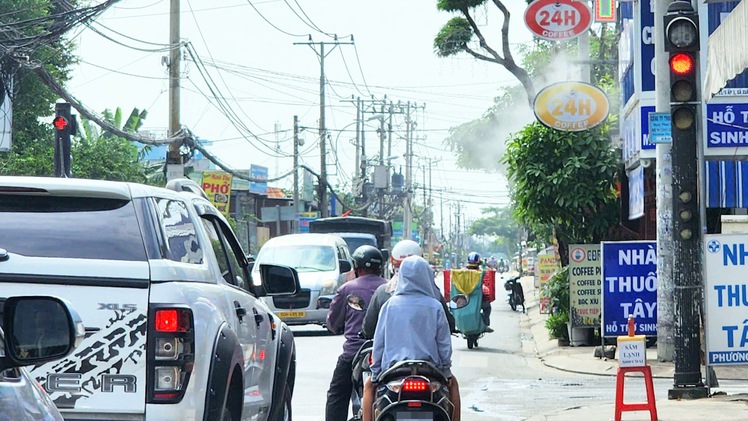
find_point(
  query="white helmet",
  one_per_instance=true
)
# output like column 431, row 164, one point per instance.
column 404, row 249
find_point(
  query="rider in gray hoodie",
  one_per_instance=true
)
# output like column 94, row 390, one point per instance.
column 414, row 309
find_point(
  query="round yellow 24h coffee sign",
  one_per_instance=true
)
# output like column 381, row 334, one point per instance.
column 571, row 106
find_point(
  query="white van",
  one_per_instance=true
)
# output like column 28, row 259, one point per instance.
column 323, row 262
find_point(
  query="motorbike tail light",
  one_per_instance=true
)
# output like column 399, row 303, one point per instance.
column 415, row 404
column 371, row 360
column 415, row 385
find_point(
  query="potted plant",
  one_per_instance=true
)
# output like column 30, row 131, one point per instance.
column 558, row 292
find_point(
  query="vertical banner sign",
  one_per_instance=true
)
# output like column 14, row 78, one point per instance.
column 547, row 265
column 584, row 285
column 726, row 298
column 217, row 185
column 605, row 10
column 260, row 173
column 629, row 287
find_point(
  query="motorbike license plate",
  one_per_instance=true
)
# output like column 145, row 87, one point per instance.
column 291, row 314
column 413, row 416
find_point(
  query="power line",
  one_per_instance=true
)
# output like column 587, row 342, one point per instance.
column 273, row 25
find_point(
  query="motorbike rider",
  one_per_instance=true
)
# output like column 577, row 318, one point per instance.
column 474, row 263
column 401, row 250
column 414, row 310
column 341, row 318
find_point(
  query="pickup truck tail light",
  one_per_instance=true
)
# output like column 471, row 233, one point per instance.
column 171, row 352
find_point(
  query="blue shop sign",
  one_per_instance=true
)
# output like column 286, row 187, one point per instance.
column 726, row 125
column 629, row 287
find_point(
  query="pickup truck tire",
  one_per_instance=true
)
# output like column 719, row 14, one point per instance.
column 287, row 404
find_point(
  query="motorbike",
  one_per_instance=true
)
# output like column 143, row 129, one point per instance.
column 361, row 364
column 413, row 390
column 361, row 372
column 515, row 293
column 466, row 295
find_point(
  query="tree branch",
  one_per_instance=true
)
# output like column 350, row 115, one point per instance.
column 505, row 31
column 480, row 56
column 482, row 40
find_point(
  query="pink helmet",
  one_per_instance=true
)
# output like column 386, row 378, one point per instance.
column 404, row 249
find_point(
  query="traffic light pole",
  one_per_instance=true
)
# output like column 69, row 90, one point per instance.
column 682, row 42
column 64, row 128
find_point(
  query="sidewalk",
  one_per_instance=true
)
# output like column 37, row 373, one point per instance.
column 732, row 406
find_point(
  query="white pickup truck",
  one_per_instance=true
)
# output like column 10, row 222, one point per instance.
column 175, row 327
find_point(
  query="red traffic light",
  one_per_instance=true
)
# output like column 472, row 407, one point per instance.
column 681, row 63
column 60, row 122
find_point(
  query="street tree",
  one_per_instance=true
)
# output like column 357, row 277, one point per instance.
column 101, row 155
column 497, row 223
column 564, row 181
column 457, row 35
column 28, row 40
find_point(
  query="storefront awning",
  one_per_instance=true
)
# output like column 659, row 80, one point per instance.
column 726, row 184
column 727, row 55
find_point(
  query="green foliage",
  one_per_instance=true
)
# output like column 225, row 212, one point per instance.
column 564, row 180
column 497, row 222
column 556, row 325
column 453, row 37
column 557, row 290
column 102, row 155
column 32, row 150
column 457, row 5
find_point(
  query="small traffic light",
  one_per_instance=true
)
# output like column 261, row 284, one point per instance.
column 682, row 42
column 65, row 126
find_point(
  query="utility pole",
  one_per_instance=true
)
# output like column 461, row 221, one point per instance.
column 356, row 164
column 664, row 181
column 296, row 169
column 407, row 216
column 174, row 164
column 409, row 128
column 441, row 213
column 322, row 192
column 389, row 131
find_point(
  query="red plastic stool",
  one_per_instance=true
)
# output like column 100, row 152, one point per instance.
column 650, row 405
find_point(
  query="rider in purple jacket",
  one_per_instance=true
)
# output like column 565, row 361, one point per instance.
column 343, row 318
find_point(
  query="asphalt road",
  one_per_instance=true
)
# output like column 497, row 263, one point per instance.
column 500, row 380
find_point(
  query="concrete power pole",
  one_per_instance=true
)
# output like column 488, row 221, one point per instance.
column 174, row 164
column 296, row 168
column 665, row 284
column 324, row 207
column 407, row 216
column 357, row 163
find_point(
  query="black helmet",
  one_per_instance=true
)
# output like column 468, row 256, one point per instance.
column 368, row 257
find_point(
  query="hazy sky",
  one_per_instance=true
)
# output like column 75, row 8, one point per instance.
column 263, row 80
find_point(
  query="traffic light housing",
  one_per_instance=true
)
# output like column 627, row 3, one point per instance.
column 682, row 42
column 65, row 126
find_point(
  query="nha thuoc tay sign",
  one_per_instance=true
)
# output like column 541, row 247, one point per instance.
column 629, row 287
column 726, row 298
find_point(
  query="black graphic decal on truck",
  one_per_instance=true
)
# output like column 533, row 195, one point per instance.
column 96, row 365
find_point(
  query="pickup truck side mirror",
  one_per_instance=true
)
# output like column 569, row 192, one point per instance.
column 345, row 266
column 279, row 280
column 39, row 329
